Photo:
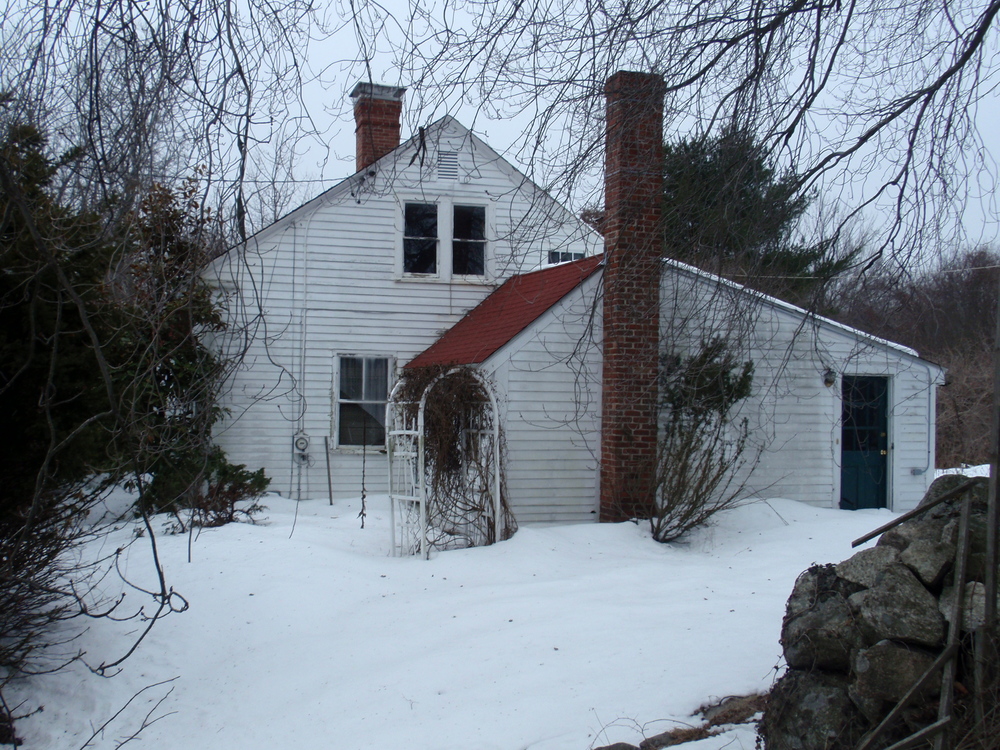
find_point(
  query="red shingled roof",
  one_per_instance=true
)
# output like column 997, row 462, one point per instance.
column 519, row 302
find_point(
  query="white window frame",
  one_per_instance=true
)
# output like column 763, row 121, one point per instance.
column 451, row 238
column 439, row 241
column 335, row 411
column 446, row 235
column 573, row 255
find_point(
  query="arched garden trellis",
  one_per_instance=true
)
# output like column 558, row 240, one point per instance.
column 444, row 445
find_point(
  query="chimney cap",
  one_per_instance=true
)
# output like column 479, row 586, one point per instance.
column 635, row 83
column 367, row 90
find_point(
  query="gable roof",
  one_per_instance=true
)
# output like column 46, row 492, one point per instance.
column 387, row 167
column 800, row 312
column 352, row 182
column 523, row 299
column 515, row 305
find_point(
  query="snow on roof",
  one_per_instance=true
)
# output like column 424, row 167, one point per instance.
column 521, row 300
column 518, row 303
column 789, row 307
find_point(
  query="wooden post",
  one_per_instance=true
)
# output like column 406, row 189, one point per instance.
column 946, row 706
column 992, row 514
column 986, row 653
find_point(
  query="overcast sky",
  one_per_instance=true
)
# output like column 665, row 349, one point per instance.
column 329, row 156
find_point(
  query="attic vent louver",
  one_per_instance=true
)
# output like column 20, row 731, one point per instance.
column 447, row 165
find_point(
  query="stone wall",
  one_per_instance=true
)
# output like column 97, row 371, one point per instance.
column 858, row 635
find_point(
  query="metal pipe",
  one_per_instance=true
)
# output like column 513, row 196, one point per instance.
column 329, row 476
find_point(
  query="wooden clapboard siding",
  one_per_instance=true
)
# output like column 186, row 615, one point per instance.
column 795, row 419
column 550, row 379
column 325, row 281
column 549, row 376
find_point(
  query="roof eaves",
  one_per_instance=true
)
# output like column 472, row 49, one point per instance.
column 794, row 309
column 500, row 295
column 349, row 182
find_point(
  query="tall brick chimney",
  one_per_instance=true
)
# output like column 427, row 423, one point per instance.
column 633, row 185
column 377, row 110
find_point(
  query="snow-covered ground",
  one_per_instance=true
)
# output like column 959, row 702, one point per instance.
column 304, row 633
column 983, row 470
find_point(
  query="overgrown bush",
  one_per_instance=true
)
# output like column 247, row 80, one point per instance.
column 103, row 370
column 212, row 490
column 32, row 585
column 169, row 377
column 56, row 413
column 700, row 448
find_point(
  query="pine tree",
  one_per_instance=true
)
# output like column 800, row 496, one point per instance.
column 49, row 374
column 728, row 210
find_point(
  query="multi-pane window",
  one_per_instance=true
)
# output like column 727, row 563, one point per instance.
column 429, row 228
column 364, row 392
column 558, row 256
column 420, row 238
column 468, row 246
column 864, row 415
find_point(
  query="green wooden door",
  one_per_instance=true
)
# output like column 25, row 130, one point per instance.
column 865, row 442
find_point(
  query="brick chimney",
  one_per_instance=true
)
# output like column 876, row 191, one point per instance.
column 633, row 185
column 377, row 110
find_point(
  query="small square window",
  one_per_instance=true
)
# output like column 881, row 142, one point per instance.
column 364, row 393
column 469, row 244
column 420, row 238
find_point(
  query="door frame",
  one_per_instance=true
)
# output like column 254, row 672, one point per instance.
column 889, row 427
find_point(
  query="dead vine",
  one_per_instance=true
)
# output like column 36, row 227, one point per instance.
column 459, row 456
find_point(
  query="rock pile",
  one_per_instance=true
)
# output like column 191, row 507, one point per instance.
column 858, row 635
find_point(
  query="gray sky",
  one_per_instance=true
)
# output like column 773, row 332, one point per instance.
column 329, row 157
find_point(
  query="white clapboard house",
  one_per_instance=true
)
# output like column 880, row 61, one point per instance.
column 437, row 251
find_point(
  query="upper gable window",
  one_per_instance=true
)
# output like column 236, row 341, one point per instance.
column 420, row 238
column 444, row 241
column 468, row 248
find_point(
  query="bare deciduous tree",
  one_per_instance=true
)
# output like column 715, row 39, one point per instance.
column 871, row 102
column 151, row 91
column 946, row 311
column 105, row 102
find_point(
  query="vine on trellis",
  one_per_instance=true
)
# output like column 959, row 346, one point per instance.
column 460, row 461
